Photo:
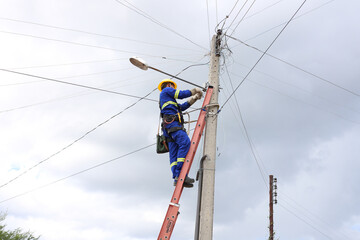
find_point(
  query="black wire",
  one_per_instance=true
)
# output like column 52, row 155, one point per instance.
column 92, row 33
column 144, row 14
column 77, row 85
column 77, row 173
column 293, row 19
column 301, row 69
column 78, row 139
column 262, row 55
column 303, row 220
column 252, row 147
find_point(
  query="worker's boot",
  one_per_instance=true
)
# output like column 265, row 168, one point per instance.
column 189, row 180
column 187, row 183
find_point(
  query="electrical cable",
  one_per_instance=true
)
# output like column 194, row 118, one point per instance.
column 78, row 139
column 242, row 18
column 309, row 104
column 294, row 66
column 92, row 33
column 263, row 54
column 262, row 10
column 75, row 43
column 144, row 14
column 77, row 85
column 304, row 221
column 299, row 88
column 67, row 64
column 208, row 20
column 237, row 13
column 77, row 173
column 311, row 10
column 88, row 45
column 312, row 216
column 252, row 147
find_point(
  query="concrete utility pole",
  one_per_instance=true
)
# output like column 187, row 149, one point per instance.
column 204, row 226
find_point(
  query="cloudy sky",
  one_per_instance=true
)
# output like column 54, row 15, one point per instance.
column 78, row 163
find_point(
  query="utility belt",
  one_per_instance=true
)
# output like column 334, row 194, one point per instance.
column 167, row 119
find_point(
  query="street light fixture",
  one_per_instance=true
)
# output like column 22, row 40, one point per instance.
column 140, row 63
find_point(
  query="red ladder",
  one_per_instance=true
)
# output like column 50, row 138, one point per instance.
column 173, row 210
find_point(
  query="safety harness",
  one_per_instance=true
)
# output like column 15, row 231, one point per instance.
column 167, row 119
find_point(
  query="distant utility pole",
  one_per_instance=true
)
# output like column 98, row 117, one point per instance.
column 204, row 223
column 272, row 200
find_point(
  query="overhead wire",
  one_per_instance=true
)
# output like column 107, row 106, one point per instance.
column 208, row 20
column 306, row 103
column 299, row 88
column 88, row 45
column 75, row 84
column 93, row 33
column 237, row 13
column 67, row 64
column 144, row 14
column 78, row 94
column 311, row 10
column 299, row 68
column 262, row 10
column 242, row 18
column 313, row 217
column 77, row 173
column 77, row 140
column 304, row 221
column 263, row 54
column 252, row 147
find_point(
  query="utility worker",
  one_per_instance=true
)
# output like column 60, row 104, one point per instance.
column 173, row 124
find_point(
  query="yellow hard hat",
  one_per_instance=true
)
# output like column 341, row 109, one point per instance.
column 165, row 81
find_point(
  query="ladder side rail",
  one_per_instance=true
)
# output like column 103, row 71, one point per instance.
column 173, row 209
column 195, row 140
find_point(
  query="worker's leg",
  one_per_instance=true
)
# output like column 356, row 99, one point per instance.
column 173, row 152
column 182, row 140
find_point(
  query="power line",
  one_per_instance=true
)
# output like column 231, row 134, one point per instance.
column 75, row 84
column 263, row 54
column 92, row 33
column 237, row 13
column 144, row 14
column 303, row 220
column 242, row 17
column 247, row 134
column 313, row 218
column 88, row 45
column 208, row 20
column 68, row 64
column 313, row 105
column 286, row 22
column 262, row 10
column 77, row 173
column 294, row 66
column 78, row 139
column 75, row 43
column 298, row 88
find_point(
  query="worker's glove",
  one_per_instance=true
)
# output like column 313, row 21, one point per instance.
column 199, row 95
column 195, row 91
column 192, row 100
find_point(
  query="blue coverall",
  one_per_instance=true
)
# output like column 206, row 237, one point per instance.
column 181, row 144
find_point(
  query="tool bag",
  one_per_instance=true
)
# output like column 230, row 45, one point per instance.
column 161, row 142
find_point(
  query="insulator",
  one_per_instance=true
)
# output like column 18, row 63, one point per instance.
column 275, row 187
column 275, row 180
column 275, row 194
column 275, row 201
